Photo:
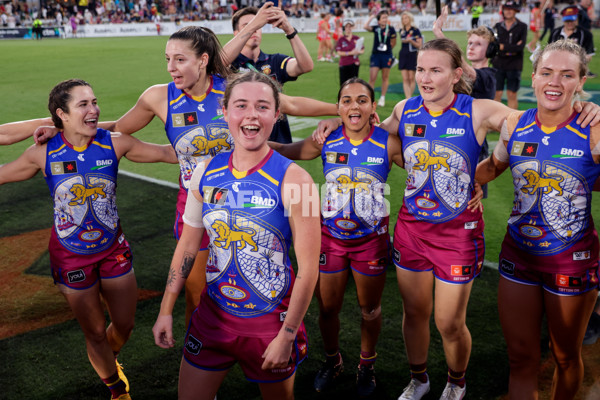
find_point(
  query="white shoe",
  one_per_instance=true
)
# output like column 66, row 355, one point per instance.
column 381, row 102
column 415, row 390
column 453, row 392
column 395, row 62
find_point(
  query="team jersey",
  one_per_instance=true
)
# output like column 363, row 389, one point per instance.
column 248, row 273
column 196, row 129
column 440, row 155
column 353, row 204
column 553, row 173
column 83, row 183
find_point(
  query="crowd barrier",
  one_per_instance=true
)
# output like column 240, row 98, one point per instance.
column 459, row 22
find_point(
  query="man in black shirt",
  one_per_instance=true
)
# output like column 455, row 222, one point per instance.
column 512, row 37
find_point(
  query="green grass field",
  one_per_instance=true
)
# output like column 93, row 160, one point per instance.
column 50, row 363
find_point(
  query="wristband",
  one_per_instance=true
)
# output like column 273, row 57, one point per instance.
column 291, row 35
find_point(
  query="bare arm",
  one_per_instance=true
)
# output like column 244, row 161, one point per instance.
column 306, row 107
column 14, row 132
column 234, row 47
column 367, row 26
column 395, row 150
column 153, row 102
column 489, row 169
column 302, row 61
column 304, row 221
column 392, row 123
column 306, row 149
column 24, row 167
column 137, row 151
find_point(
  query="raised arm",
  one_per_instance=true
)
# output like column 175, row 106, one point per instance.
column 437, row 31
column 306, row 107
column 301, row 197
column 302, row 61
column 137, row 151
column 14, row 132
column 234, row 47
column 367, row 26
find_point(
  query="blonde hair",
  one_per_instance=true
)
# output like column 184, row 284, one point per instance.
column 484, row 32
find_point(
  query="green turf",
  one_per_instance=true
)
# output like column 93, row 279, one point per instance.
column 50, row 363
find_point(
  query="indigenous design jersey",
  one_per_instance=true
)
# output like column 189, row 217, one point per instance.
column 248, row 272
column 355, row 172
column 440, row 155
column 83, row 185
column 553, row 173
column 196, row 129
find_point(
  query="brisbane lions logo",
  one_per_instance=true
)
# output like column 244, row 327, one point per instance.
column 426, row 160
column 82, row 193
column 204, row 146
column 346, row 183
column 228, row 235
column 546, row 183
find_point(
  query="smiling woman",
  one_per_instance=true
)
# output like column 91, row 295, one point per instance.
column 551, row 265
column 89, row 256
column 252, row 308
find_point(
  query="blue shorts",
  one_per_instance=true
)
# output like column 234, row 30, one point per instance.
column 512, row 78
column 381, row 60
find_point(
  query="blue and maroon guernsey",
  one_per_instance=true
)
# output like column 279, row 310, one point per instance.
column 196, row 129
column 553, row 173
column 353, row 204
column 83, row 185
column 440, row 155
column 248, row 273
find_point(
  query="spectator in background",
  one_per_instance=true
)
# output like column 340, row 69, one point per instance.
column 349, row 47
column 244, row 53
column 324, row 38
column 535, row 23
column 572, row 31
column 584, row 7
column 476, row 11
column 382, row 55
column 412, row 40
column 512, row 35
column 550, row 13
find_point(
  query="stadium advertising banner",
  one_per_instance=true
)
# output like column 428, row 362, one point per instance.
column 458, row 22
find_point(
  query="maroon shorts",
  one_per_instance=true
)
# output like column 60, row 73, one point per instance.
column 367, row 256
column 452, row 262
column 116, row 262
column 210, row 347
column 571, row 284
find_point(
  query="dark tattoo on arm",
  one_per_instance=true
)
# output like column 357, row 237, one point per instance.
column 187, row 263
column 171, row 277
column 289, row 330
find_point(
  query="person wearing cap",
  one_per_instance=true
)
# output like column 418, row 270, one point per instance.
column 244, row 53
column 512, row 37
column 349, row 48
column 572, row 31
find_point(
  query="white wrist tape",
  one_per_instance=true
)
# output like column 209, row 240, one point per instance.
column 193, row 207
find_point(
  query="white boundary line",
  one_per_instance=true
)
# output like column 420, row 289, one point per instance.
column 148, row 179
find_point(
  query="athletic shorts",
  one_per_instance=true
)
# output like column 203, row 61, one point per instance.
column 571, row 284
column 367, row 256
column 453, row 262
column 178, row 228
column 381, row 61
column 210, row 347
column 512, row 78
column 117, row 262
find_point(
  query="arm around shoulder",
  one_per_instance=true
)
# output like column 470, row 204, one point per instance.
column 24, row 167
column 14, row 132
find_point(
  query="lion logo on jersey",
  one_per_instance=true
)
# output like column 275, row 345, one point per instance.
column 546, row 183
column 82, row 193
column 346, row 183
column 228, row 235
column 204, row 146
column 426, row 160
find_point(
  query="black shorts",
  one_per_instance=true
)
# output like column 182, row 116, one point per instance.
column 512, row 78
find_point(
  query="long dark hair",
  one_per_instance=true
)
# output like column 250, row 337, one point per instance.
column 203, row 40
